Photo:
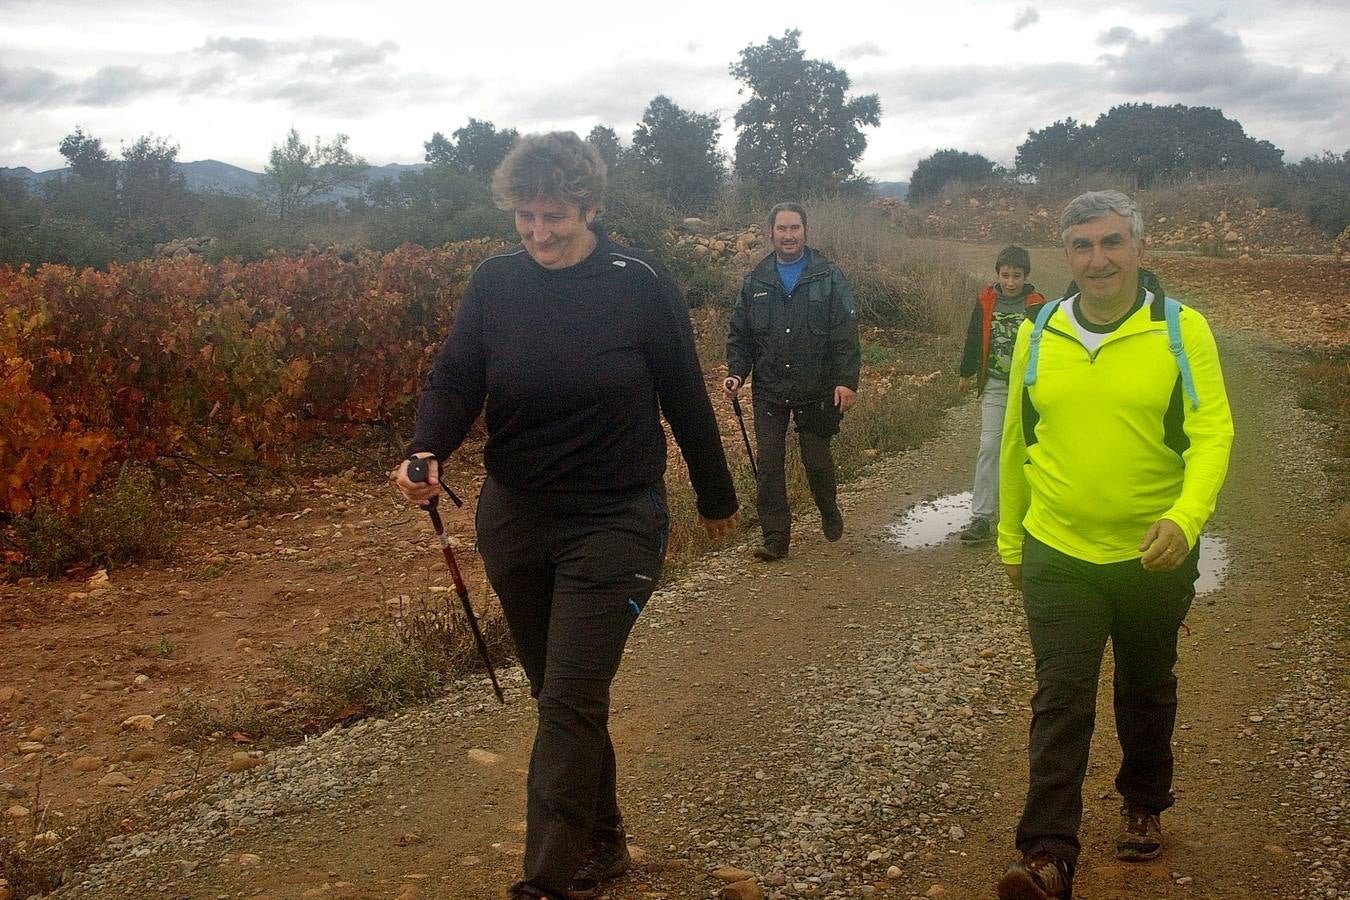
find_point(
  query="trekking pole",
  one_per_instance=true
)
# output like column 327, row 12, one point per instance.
column 417, row 474
column 745, row 435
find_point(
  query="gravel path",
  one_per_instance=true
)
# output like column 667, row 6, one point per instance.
column 850, row 723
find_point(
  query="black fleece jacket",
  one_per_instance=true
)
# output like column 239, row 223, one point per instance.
column 576, row 367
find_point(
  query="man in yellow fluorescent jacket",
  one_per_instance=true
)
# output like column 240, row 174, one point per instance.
column 1115, row 445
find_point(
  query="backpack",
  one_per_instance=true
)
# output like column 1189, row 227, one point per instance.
column 1172, row 315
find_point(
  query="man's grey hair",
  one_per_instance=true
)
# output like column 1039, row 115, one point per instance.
column 1092, row 205
column 787, row 207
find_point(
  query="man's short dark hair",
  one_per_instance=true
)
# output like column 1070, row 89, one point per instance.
column 1015, row 256
column 787, row 207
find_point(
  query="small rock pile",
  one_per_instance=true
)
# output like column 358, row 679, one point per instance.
column 739, row 249
column 200, row 245
column 1240, row 230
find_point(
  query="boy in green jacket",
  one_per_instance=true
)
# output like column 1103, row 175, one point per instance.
column 999, row 311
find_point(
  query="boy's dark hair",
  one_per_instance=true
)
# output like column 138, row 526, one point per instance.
column 1014, row 256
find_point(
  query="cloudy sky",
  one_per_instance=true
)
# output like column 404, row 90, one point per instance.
column 226, row 80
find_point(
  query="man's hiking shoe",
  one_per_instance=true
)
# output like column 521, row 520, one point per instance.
column 832, row 524
column 770, row 552
column 522, row 891
column 1039, row 876
column 1140, row 834
column 979, row 531
column 602, row 862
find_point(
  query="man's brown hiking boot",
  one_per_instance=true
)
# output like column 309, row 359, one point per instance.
column 1039, row 876
column 1140, row 836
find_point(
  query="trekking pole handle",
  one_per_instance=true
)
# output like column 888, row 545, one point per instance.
column 417, row 474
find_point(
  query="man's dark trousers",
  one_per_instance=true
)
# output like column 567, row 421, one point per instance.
column 1072, row 608
column 815, row 426
column 573, row 572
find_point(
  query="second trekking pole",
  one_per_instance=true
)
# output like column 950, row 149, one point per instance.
column 417, row 474
column 745, row 435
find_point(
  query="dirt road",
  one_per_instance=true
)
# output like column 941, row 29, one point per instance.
column 850, row 723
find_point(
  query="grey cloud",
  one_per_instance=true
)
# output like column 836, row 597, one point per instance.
column 361, row 56
column 30, row 86
column 1200, row 64
column 343, row 94
column 346, row 52
column 1026, row 18
column 116, row 84
column 617, row 96
column 1118, row 35
column 978, row 89
column 861, row 51
column 208, row 80
column 252, row 49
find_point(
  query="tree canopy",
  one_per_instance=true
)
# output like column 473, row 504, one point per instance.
column 151, row 186
column 1149, row 142
column 477, row 148
column 677, row 155
column 296, row 173
column 934, row 172
column 87, row 156
column 799, row 132
column 606, row 140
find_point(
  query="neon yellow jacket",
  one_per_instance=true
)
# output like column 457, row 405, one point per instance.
column 1100, row 447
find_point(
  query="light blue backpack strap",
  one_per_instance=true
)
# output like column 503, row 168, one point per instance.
column 1172, row 313
column 1034, row 355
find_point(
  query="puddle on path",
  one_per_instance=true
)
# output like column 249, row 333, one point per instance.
column 934, row 522
column 1213, row 564
column 931, row 522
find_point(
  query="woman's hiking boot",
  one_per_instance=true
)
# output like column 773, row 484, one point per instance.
column 604, row 860
column 1140, row 836
column 1039, row 876
column 770, row 551
column 832, row 523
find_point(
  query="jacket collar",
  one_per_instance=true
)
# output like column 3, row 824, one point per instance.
column 767, row 270
column 1143, row 319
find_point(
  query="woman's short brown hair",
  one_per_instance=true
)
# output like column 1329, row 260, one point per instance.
column 555, row 166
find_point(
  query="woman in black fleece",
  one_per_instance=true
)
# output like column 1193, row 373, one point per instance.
column 577, row 346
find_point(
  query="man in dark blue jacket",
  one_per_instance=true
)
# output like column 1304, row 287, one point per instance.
column 794, row 327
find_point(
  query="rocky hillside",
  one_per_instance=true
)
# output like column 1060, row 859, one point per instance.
column 1214, row 219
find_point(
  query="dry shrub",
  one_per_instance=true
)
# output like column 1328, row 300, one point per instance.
column 893, row 285
column 379, row 666
column 123, row 524
column 1324, row 390
column 41, row 857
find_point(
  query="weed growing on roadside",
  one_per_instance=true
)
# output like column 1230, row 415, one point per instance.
column 215, row 570
column 1324, row 390
column 39, row 859
column 119, row 525
column 367, row 666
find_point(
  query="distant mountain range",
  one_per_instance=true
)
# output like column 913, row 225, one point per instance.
column 213, row 175
column 898, row 189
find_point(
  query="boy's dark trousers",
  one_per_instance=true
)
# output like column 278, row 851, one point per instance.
column 1072, row 608
column 816, row 425
column 573, row 571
